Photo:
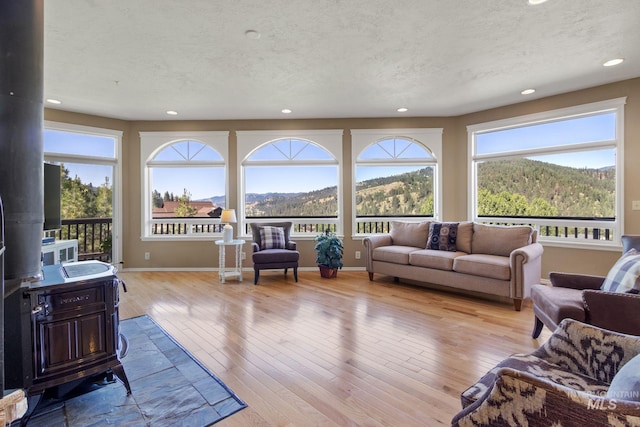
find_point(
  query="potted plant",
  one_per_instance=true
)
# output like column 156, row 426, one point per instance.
column 329, row 250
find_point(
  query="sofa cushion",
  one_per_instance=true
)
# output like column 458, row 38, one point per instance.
column 626, row 383
column 624, row 276
column 275, row 256
column 442, row 236
column 499, row 240
column 394, row 254
column 492, row 266
column 405, row 233
column 441, row 260
column 465, row 233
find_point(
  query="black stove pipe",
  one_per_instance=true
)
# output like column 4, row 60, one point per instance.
column 21, row 173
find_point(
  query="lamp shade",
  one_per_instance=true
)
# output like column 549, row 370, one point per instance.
column 228, row 215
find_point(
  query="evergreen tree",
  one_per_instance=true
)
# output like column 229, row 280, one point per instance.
column 184, row 209
column 157, row 200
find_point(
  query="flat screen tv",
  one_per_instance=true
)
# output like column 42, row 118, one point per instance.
column 52, row 213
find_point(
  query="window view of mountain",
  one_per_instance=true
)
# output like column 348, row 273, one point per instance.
column 533, row 188
column 406, row 194
column 520, row 187
column 318, row 203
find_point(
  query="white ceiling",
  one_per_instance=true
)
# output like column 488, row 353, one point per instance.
column 136, row 59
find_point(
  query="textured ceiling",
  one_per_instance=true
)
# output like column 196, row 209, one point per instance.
column 137, row 59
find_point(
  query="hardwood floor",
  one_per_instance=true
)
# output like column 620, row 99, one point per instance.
column 340, row 352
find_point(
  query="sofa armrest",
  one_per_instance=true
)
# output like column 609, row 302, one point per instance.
column 255, row 247
column 372, row 242
column 575, row 281
column 291, row 245
column 526, row 269
column 615, row 311
column 521, row 398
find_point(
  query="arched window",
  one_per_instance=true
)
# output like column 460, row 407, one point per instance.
column 396, row 175
column 185, row 183
column 292, row 175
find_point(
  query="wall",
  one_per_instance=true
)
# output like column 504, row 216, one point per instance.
column 191, row 255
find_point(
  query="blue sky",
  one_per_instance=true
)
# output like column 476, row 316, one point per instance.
column 85, row 145
column 599, row 127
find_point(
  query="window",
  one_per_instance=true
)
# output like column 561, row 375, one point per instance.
column 396, row 175
column 558, row 171
column 292, row 175
column 185, row 184
column 91, row 191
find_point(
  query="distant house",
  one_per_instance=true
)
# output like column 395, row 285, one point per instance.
column 204, row 210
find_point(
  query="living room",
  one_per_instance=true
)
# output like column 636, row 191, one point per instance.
column 293, row 372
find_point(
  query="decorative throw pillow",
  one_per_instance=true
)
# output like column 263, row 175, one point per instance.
column 624, row 276
column 409, row 233
column 499, row 239
column 442, row 236
column 272, row 237
column 626, row 383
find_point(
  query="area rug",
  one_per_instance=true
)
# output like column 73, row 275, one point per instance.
column 169, row 388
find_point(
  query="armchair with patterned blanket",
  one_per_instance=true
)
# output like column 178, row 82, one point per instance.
column 582, row 376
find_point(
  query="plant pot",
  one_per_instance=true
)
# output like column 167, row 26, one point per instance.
column 328, row 273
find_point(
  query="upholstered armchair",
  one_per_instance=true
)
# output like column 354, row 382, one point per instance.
column 581, row 297
column 582, row 376
column 273, row 248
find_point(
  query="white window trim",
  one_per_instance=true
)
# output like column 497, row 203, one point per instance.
column 616, row 104
column 151, row 143
column 250, row 141
column 431, row 138
column 116, row 185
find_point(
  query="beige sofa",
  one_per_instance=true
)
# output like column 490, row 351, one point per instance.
column 496, row 260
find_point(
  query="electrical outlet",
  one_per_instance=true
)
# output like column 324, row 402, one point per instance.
column 635, row 205
column 243, row 255
column 358, row 254
column 147, row 256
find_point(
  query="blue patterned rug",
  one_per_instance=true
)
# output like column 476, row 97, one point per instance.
column 169, row 388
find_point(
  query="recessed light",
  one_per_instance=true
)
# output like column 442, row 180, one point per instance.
column 286, row 111
column 53, row 101
column 536, row 2
column 252, row 34
column 402, row 110
column 172, row 113
column 528, row 91
column 612, row 62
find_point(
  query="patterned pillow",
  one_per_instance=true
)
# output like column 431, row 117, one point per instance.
column 272, row 237
column 624, row 276
column 442, row 236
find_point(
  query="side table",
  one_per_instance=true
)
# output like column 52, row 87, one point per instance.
column 229, row 272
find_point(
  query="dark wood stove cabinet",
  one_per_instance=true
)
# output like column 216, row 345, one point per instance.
column 75, row 324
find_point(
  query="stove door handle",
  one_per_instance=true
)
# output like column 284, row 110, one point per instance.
column 38, row 308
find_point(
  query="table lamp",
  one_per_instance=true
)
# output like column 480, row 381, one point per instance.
column 228, row 216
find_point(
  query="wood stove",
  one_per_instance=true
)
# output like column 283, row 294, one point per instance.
column 74, row 325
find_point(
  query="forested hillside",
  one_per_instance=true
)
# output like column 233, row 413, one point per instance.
column 405, row 194
column 507, row 187
column 322, row 202
column 532, row 188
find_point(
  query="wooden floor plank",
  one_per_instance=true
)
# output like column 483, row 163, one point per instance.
column 333, row 352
